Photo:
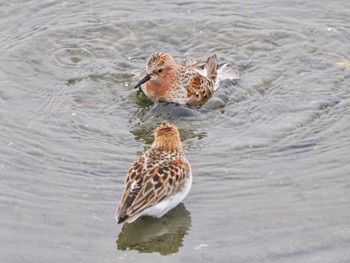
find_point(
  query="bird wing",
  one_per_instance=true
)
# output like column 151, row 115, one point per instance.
column 148, row 183
column 199, row 88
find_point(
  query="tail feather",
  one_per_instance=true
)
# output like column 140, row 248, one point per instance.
column 211, row 66
column 211, row 69
column 122, row 219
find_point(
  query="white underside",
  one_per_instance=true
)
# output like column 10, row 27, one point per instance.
column 167, row 204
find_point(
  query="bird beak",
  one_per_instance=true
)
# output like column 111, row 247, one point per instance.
column 145, row 79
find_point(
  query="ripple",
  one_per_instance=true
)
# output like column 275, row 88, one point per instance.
column 71, row 56
column 17, row 66
column 274, row 145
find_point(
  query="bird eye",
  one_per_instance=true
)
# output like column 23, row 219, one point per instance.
column 160, row 70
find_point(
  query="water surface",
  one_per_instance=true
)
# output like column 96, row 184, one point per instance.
column 269, row 153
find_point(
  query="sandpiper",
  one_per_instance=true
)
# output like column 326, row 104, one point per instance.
column 191, row 84
column 158, row 181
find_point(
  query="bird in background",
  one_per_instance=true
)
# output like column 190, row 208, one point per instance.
column 159, row 180
column 190, row 84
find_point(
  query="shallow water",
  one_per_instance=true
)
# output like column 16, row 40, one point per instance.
column 269, row 153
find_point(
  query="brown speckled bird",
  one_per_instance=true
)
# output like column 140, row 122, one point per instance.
column 158, row 181
column 190, row 84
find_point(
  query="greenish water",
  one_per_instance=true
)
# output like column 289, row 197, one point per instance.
column 269, row 153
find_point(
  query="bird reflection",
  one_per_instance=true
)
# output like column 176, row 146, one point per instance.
column 164, row 110
column 145, row 133
column 163, row 235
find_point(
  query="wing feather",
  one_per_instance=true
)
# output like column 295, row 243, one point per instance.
column 151, row 185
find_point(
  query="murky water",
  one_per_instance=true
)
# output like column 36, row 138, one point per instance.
column 269, row 153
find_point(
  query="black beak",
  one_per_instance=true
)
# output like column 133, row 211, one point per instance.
column 145, row 79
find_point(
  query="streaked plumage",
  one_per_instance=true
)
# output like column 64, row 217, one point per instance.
column 190, row 84
column 159, row 180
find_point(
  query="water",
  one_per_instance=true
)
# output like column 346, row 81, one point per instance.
column 270, row 153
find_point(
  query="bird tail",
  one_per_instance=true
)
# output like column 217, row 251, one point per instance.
column 211, row 69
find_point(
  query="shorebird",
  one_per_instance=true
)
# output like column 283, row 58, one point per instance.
column 158, row 181
column 191, row 84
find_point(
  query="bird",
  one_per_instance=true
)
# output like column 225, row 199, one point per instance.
column 159, row 180
column 190, row 84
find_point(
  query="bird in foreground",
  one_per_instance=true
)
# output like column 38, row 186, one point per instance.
column 191, row 84
column 158, row 181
